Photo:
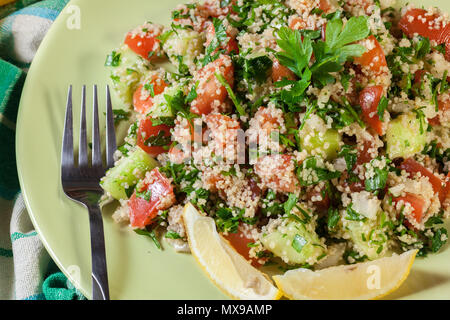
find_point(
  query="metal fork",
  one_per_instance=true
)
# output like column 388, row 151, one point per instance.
column 81, row 182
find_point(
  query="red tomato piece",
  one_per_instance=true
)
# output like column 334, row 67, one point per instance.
column 146, row 130
column 279, row 72
column 374, row 59
column 427, row 25
column 369, row 98
column 155, row 194
column 277, row 172
column 239, row 242
column 266, row 120
column 444, row 106
column 364, row 155
column 416, row 202
column 145, row 42
column 413, row 167
column 324, row 203
column 142, row 98
column 177, row 154
column 213, row 9
column 418, row 21
column 418, row 76
column 324, row 5
column 446, row 192
column 209, row 89
column 220, row 122
column 223, row 130
column 297, row 23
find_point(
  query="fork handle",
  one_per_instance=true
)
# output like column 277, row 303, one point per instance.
column 100, row 288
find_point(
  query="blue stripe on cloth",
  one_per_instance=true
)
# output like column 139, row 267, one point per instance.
column 19, row 235
column 6, row 253
column 39, row 296
column 45, row 13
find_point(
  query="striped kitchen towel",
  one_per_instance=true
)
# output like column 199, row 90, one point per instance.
column 26, row 270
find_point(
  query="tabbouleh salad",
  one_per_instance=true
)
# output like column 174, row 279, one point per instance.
column 347, row 102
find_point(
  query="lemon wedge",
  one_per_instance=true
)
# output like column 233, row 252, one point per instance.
column 368, row 280
column 234, row 275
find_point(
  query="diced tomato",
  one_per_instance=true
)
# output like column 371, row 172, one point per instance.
column 153, row 195
column 230, row 46
column 279, row 72
column 324, row 5
column 276, row 171
column 364, row 156
column 240, row 243
column 429, row 26
column 223, row 131
column 177, row 154
column 324, row 203
column 413, row 167
column 147, row 130
column 142, row 98
column 209, row 88
column 447, row 47
column 446, row 191
column 357, row 186
column 214, row 9
column 297, row 23
column 374, row 59
column 266, row 120
column 369, row 98
column 416, row 202
column 418, row 76
column 365, row 4
column 145, row 43
column 420, row 22
column 444, row 106
column 220, row 122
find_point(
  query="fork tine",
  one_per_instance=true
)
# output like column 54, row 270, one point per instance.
column 96, row 152
column 110, row 132
column 82, row 153
column 67, row 147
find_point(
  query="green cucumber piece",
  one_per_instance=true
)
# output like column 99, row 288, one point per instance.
column 404, row 137
column 183, row 47
column 294, row 243
column 128, row 171
column 326, row 143
column 368, row 237
column 126, row 73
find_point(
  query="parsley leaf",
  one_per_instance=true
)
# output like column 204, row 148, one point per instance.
column 113, row 59
column 172, row 235
column 382, row 106
column 159, row 140
column 212, row 52
column 350, row 156
column 333, row 218
column 352, row 215
column 119, row 115
column 150, row 234
column 298, row 243
column 233, row 98
column 296, row 53
column 310, row 173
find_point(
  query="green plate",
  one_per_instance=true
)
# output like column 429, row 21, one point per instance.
column 137, row 270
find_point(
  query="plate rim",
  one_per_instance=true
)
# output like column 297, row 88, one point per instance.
column 19, row 132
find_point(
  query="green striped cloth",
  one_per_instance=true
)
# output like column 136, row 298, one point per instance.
column 26, row 270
